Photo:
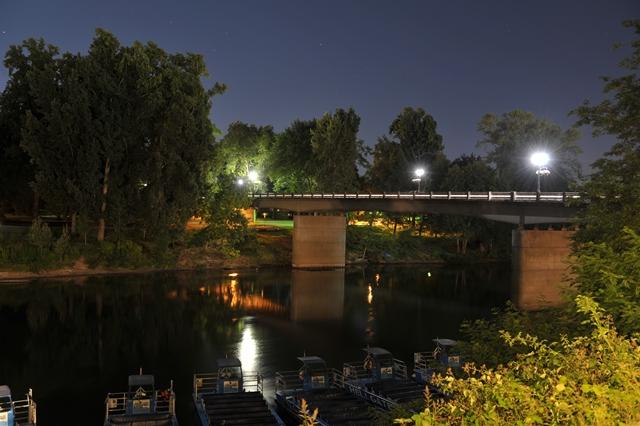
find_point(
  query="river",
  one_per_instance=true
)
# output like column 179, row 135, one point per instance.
column 74, row 340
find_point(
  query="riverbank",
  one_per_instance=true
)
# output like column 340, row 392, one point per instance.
column 270, row 248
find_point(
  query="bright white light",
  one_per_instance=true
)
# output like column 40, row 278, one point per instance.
column 240, row 182
column 540, row 159
column 419, row 172
column 253, row 176
column 248, row 349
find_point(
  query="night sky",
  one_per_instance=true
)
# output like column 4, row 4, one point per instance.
column 284, row 60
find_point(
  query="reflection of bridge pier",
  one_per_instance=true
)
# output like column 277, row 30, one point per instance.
column 539, row 265
column 317, row 295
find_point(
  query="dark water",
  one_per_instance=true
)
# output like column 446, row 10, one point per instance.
column 73, row 341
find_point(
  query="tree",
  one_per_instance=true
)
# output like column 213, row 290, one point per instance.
column 121, row 134
column 245, row 148
column 421, row 146
column 16, row 170
column 291, row 163
column 613, row 190
column 337, row 151
column 387, row 171
column 511, row 139
column 468, row 173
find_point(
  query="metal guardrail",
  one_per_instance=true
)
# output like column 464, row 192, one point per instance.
column 513, row 196
column 339, row 380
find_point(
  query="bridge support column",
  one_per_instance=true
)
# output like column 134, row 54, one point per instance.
column 540, row 266
column 319, row 241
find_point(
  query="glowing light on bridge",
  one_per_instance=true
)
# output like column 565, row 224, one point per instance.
column 540, row 159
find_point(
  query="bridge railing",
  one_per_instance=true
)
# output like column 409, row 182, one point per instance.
column 513, row 196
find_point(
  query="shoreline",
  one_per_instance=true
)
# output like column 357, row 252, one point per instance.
column 15, row 277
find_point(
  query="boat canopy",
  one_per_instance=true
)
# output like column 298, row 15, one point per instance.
column 5, row 392
column 445, row 342
column 141, row 380
column 228, row 362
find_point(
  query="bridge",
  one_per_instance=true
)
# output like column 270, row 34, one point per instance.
column 539, row 257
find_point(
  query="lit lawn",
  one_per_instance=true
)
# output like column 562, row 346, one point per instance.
column 285, row 224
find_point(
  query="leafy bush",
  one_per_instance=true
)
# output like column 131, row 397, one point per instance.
column 592, row 379
column 40, row 236
column 611, row 275
column 124, row 253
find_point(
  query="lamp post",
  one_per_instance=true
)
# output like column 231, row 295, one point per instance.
column 419, row 172
column 540, row 160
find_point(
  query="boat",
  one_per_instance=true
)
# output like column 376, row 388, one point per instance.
column 142, row 404
column 382, row 380
column 16, row 412
column 323, row 389
column 442, row 358
column 228, row 397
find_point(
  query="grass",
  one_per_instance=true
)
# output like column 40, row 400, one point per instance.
column 284, row 224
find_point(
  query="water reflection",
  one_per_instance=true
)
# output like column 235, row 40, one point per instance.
column 317, row 295
column 72, row 341
column 247, row 351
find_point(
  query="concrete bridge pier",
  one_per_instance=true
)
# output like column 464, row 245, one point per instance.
column 319, row 241
column 540, row 266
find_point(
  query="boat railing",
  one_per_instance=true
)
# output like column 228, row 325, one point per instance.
column 204, row 383
column 399, row 369
column 339, row 380
column 116, row 402
column 354, row 370
column 25, row 410
column 253, row 382
column 288, row 381
column 422, row 360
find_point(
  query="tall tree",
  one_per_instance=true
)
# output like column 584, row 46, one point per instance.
column 16, row 170
column 613, row 189
column 245, row 148
column 420, row 146
column 291, row 159
column 337, row 151
column 387, row 171
column 511, row 139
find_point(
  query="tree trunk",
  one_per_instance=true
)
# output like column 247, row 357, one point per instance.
column 74, row 223
column 103, row 207
column 395, row 225
column 421, row 225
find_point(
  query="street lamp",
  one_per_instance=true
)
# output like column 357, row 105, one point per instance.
column 253, row 178
column 419, row 172
column 540, row 160
column 240, row 182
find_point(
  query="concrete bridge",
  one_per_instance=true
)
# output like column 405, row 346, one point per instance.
column 539, row 257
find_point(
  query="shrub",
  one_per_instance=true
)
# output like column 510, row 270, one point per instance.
column 40, row 236
column 592, row 379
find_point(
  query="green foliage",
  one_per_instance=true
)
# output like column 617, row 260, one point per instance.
column 227, row 228
column 591, row 379
column 292, row 160
column 124, row 253
column 511, row 139
column 62, row 246
column 611, row 275
column 245, row 148
column 388, row 171
column 381, row 245
column 337, row 151
column 419, row 140
column 613, row 191
column 121, row 133
column 40, row 236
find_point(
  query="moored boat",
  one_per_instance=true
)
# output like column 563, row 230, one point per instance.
column 16, row 412
column 322, row 389
column 442, row 358
column 142, row 404
column 229, row 397
column 382, row 379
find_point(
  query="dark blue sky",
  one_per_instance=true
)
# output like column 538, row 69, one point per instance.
column 291, row 59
